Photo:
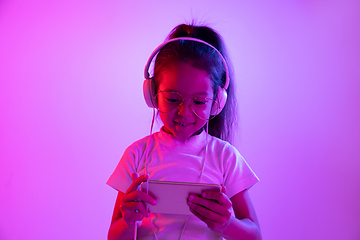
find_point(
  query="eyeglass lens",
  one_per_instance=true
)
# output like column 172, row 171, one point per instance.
column 204, row 108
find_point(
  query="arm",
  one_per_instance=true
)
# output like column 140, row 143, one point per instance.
column 118, row 228
column 129, row 208
column 213, row 209
column 245, row 221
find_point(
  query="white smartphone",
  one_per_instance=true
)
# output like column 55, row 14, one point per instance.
column 171, row 197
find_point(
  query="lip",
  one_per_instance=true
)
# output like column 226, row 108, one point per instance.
column 183, row 124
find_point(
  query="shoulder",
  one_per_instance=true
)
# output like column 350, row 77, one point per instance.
column 225, row 153
column 218, row 145
column 143, row 143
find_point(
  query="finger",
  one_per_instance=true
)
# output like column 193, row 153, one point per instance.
column 131, row 217
column 135, row 175
column 134, row 207
column 136, row 183
column 220, row 197
column 199, row 215
column 209, row 204
column 223, row 189
column 137, row 196
column 218, row 225
column 207, row 215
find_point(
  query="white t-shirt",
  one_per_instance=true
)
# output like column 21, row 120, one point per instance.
column 170, row 159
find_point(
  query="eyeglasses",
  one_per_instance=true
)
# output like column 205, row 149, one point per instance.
column 204, row 108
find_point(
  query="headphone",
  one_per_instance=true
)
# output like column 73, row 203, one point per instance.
column 148, row 86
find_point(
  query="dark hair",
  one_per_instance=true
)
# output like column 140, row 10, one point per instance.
column 203, row 57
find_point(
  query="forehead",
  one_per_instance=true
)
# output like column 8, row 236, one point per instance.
column 183, row 77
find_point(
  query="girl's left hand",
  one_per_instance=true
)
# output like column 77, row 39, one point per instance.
column 213, row 208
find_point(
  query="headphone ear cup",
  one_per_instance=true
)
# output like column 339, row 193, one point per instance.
column 148, row 89
column 221, row 100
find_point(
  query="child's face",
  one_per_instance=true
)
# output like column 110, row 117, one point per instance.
column 189, row 82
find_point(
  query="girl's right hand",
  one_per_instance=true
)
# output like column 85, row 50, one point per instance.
column 132, row 204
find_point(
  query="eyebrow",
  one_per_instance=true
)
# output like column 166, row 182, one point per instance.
column 198, row 93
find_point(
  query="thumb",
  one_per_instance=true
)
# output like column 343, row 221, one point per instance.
column 134, row 175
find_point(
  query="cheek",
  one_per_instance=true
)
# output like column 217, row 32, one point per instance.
column 161, row 105
column 166, row 118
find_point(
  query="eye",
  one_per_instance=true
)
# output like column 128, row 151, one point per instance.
column 173, row 100
column 171, row 97
column 200, row 101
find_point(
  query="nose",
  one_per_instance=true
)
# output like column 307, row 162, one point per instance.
column 184, row 109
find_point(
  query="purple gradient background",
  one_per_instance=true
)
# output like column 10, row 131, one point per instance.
column 71, row 102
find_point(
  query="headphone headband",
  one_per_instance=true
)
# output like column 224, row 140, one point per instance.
column 157, row 50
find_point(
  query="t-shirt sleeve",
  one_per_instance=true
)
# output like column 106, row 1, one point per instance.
column 121, row 177
column 238, row 174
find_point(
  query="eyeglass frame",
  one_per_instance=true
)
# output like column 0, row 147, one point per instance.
column 213, row 100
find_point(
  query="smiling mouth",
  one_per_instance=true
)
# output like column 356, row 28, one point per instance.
column 183, row 124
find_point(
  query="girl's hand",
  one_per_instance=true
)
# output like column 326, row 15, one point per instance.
column 132, row 205
column 213, row 208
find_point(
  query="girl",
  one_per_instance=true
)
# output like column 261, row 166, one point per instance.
column 194, row 96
